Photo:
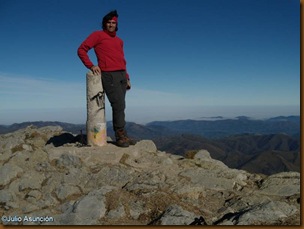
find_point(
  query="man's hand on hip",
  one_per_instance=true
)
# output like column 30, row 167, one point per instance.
column 96, row 70
column 128, row 85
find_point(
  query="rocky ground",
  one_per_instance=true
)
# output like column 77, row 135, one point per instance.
column 44, row 181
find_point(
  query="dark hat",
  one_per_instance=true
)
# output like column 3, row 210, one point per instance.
column 113, row 15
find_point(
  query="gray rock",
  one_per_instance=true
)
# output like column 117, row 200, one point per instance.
column 11, row 142
column 67, row 191
column 282, row 184
column 136, row 208
column 138, row 185
column 88, row 210
column 5, row 197
column 117, row 213
column 202, row 154
column 8, row 172
column 146, row 146
column 34, row 194
column 210, row 179
column 67, row 160
column 31, row 180
column 176, row 215
column 270, row 213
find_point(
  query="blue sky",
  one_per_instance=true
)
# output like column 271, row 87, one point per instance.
column 186, row 58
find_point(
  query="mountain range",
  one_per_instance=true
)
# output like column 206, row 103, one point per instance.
column 224, row 127
column 259, row 146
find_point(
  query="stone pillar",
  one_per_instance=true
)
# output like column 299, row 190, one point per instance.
column 96, row 122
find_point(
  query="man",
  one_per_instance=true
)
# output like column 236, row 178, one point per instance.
column 112, row 66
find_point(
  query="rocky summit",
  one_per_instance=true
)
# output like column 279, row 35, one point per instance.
column 47, row 177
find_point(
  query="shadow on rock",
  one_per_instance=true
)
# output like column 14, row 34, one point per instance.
column 65, row 138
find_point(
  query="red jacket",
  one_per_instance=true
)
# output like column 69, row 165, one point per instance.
column 108, row 49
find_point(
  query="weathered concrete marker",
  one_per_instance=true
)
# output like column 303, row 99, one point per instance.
column 96, row 121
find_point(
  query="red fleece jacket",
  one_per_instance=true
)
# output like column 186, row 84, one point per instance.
column 108, row 49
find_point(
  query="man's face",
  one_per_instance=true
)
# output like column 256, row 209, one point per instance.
column 111, row 25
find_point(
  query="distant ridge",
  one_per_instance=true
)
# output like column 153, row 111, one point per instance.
column 73, row 128
column 260, row 146
column 213, row 129
column 265, row 154
column 226, row 127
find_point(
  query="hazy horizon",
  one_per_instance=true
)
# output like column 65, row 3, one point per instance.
column 146, row 114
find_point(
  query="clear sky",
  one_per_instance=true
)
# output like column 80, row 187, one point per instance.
column 186, row 58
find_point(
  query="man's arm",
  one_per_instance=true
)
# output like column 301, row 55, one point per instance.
column 83, row 49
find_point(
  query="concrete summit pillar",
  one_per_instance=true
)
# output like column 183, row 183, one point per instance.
column 96, row 122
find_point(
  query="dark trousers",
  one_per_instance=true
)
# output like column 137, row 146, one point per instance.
column 115, row 86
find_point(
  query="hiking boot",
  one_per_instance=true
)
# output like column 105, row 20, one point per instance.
column 121, row 139
column 129, row 140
